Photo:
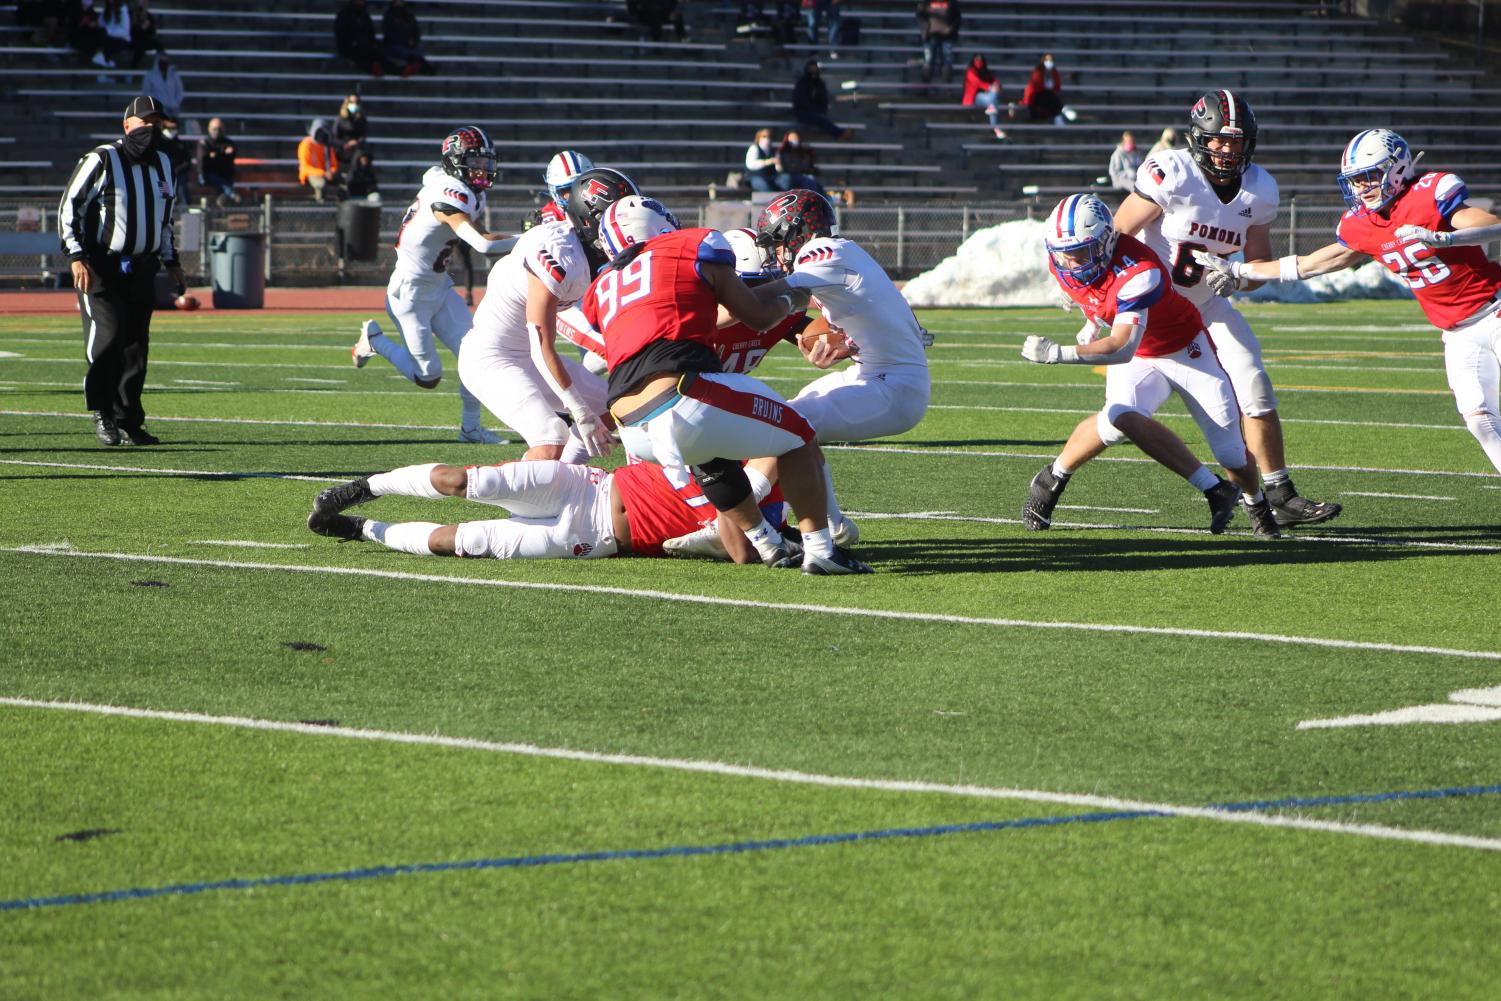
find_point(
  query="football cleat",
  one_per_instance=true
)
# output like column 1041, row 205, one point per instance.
column 847, row 533
column 1288, row 508
column 1262, row 522
column 337, row 526
column 1222, row 497
column 335, row 499
column 1042, row 497
column 480, row 436
column 701, row 544
column 362, row 351
column 105, row 429
column 782, row 558
column 839, row 563
column 138, row 436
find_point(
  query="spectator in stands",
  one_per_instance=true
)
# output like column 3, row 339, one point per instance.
column 1168, row 140
column 652, row 15
column 761, row 163
column 1124, row 163
column 810, row 102
column 404, row 39
column 938, row 24
column 354, row 36
column 114, row 18
column 178, row 155
column 983, row 90
column 317, row 160
column 362, row 180
column 163, row 82
column 81, row 24
column 144, row 28
column 44, row 17
column 1043, row 97
column 797, row 168
column 350, row 126
column 816, row 11
column 214, row 163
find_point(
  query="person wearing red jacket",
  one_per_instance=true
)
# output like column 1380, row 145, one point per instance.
column 983, row 90
column 1043, row 97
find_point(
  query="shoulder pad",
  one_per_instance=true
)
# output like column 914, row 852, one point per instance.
column 818, row 250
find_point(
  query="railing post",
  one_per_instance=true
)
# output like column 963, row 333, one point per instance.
column 964, row 223
column 266, row 228
column 1292, row 225
column 901, row 237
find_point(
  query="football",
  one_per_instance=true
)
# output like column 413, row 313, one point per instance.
column 186, row 301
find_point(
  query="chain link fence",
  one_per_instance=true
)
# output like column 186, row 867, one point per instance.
column 303, row 248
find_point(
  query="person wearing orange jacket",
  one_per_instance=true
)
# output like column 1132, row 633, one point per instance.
column 317, row 161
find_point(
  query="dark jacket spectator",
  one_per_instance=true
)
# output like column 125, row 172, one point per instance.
column 652, row 15
column 114, row 18
column 983, row 90
column 84, row 32
column 350, row 126
column 798, row 168
column 403, row 39
column 810, row 101
column 362, row 181
column 354, row 36
column 214, row 163
column 1043, row 97
column 145, row 27
column 938, row 24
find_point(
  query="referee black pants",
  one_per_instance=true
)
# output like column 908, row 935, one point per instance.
column 116, row 333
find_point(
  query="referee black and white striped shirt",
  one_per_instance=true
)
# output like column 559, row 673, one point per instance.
column 115, row 206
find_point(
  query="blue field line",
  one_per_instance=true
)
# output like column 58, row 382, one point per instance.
column 732, row 848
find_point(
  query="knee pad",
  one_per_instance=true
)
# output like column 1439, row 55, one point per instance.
column 471, row 539
column 723, row 482
column 428, row 383
column 1259, row 400
column 1105, row 422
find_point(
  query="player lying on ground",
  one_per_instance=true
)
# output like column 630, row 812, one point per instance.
column 1422, row 230
column 559, row 511
column 1212, row 197
column 1154, row 344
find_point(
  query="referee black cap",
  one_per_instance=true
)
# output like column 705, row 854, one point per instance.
column 144, row 107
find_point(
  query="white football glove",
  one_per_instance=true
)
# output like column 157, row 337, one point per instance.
column 596, row 436
column 1223, row 277
column 1042, row 350
column 1087, row 333
column 1426, row 237
column 925, row 335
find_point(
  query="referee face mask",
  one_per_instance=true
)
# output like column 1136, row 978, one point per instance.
column 142, row 140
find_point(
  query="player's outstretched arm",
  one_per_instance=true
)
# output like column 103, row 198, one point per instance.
column 485, row 243
column 760, row 308
column 1292, row 268
column 1472, row 228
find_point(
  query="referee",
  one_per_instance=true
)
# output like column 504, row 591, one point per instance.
column 115, row 220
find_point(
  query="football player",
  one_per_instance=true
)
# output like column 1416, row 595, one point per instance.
column 886, row 390
column 656, row 305
column 1153, row 341
column 421, row 298
column 1422, row 230
column 510, row 359
column 561, row 170
column 1211, row 197
column 559, row 511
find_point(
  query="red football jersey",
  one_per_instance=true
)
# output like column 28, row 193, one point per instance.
column 658, row 508
column 659, row 294
column 1451, row 284
column 552, row 212
column 741, row 349
column 1136, row 280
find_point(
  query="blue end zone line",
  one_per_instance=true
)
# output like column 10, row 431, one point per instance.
column 733, row 848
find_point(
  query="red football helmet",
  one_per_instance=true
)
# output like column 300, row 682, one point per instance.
column 791, row 220
column 468, row 155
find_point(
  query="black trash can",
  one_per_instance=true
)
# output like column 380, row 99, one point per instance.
column 359, row 230
column 238, row 270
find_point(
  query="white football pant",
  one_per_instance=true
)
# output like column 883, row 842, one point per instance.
column 559, row 511
column 1142, row 385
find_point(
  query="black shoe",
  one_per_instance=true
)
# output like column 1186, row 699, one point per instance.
column 1222, row 497
column 1262, row 522
column 1288, row 508
column 138, row 436
column 105, row 429
column 1042, row 497
column 335, row 499
column 838, row 564
column 782, row 558
column 336, row 526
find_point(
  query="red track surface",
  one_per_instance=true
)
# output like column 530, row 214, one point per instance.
column 278, row 300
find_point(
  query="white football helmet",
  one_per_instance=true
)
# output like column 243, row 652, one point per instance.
column 561, row 170
column 751, row 263
column 1381, row 163
column 1080, row 222
column 633, row 220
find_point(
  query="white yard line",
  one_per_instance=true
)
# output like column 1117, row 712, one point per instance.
column 200, row 382
column 325, row 382
column 1252, row 818
column 214, row 473
column 247, row 544
column 245, row 420
column 1115, row 510
column 702, row 599
column 1084, row 411
column 1362, row 493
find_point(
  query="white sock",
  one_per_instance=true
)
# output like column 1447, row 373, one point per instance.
column 574, row 452
column 396, row 353
column 1061, row 471
column 819, row 543
column 404, row 537
column 408, row 481
column 765, row 538
column 1276, row 477
column 1487, row 430
column 1253, row 499
column 836, row 516
column 760, row 485
column 1203, row 479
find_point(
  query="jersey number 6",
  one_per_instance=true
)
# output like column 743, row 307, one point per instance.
column 618, row 289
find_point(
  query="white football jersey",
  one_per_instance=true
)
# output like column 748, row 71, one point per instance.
column 551, row 252
column 1194, row 218
column 425, row 243
column 856, row 297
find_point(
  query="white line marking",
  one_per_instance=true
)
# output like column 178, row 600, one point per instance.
column 326, row 382
column 247, row 544
column 1173, row 415
column 703, row 599
column 9, row 354
column 1254, row 819
column 216, row 473
column 201, row 382
column 246, row 420
column 1475, row 705
column 1363, row 493
column 1117, row 510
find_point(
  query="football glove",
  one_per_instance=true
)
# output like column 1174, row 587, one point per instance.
column 925, row 335
column 596, row 436
column 1426, row 237
column 1087, row 333
column 1042, row 350
column 1223, row 277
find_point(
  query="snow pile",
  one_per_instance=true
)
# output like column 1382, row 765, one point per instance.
column 1006, row 265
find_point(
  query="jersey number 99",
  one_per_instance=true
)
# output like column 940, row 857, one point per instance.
column 618, row 289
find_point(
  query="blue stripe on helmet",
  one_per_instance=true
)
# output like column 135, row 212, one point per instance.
column 1073, row 205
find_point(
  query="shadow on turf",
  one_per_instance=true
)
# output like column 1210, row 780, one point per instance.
column 1064, row 550
column 963, row 442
